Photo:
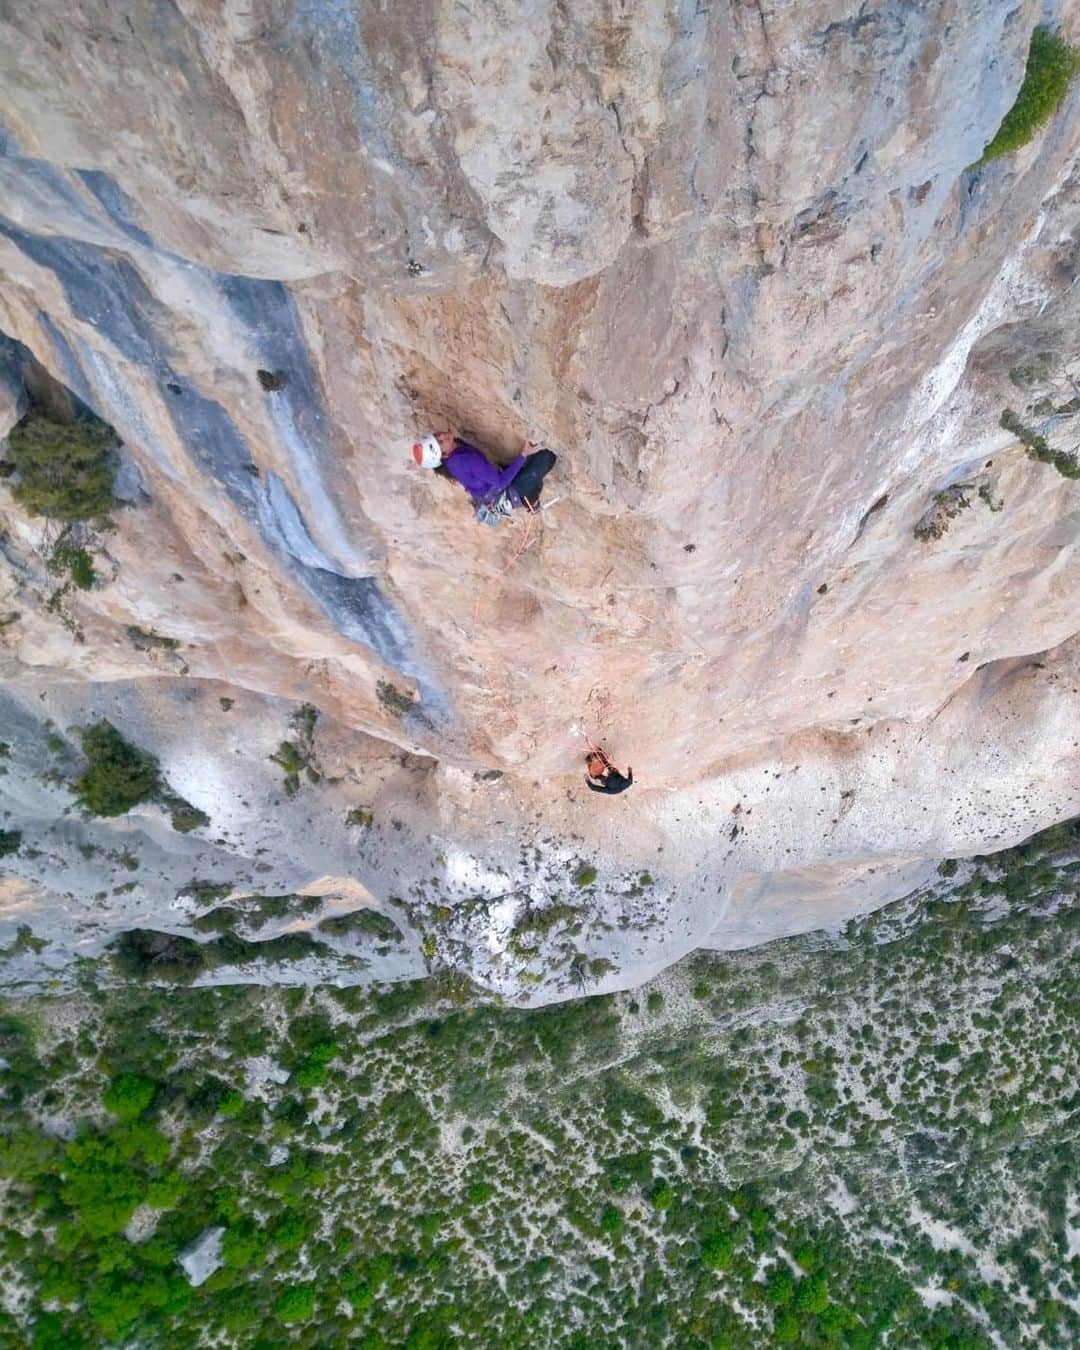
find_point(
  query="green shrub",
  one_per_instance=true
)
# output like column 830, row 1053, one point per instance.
column 1051, row 65
column 149, row 639
column 807, row 1257
column 114, row 1303
column 220, row 919
column 812, row 1295
column 288, row 755
column 139, row 1139
column 119, row 775
column 663, row 1197
column 612, row 1221
column 76, row 562
column 231, row 1104
column 184, row 817
column 243, row 1245
column 364, row 923
column 25, row 941
column 289, row 1232
column 100, row 1184
column 718, row 1251
column 164, row 956
column 129, row 1095
column 65, row 470
column 1039, row 448
column 10, row 842
column 584, row 876
column 296, row 1304
column 310, row 1074
column 780, row 1286
column 166, row 1191
column 393, row 699
column 229, row 949
column 239, row 1311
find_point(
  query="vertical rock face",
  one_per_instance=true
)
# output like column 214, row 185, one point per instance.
column 733, row 263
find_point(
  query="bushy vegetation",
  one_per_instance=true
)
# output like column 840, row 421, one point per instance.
column 184, row 817
column 75, row 561
column 129, row 1094
column 1051, row 65
column 65, row 470
column 1038, row 447
column 362, row 923
column 118, row 776
column 763, row 1154
column 152, row 955
column 297, row 756
column 393, row 699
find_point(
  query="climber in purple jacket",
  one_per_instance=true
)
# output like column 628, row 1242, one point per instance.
column 491, row 488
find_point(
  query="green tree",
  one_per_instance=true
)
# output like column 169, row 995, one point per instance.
column 119, row 775
column 311, row 1074
column 100, row 1184
column 79, row 566
column 114, row 1302
column 238, row 1311
column 663, row 1197
column 244, row 1244
column 65, row 470
column 129, row 1095
column 718, row 1251
column 296, row 1304
column 780, row 1286
column 25, row 1153
column 812, row 1294
column 166, row 1191
column 231, row 1104
column 139, row 1139
column 1051, row 65
column 290, row 1231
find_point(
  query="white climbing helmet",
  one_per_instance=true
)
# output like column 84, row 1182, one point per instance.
column 428, row 453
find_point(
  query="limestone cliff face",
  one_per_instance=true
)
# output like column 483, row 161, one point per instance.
column 730, row 261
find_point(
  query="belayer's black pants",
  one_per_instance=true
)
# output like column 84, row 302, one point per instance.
column 529, row 479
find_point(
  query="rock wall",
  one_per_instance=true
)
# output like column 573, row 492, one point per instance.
column 733, row 263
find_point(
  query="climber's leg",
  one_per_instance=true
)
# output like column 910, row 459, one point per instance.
column 529, row 479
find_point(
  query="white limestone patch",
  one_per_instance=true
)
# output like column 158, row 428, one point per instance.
column 141, row 1224
column 203, row 1257
column 261, row 1070
column 841, row 1199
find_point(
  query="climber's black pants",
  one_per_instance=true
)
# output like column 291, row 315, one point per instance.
column 529, row 479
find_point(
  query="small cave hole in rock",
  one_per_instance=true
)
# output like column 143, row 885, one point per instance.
column 272, row 380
